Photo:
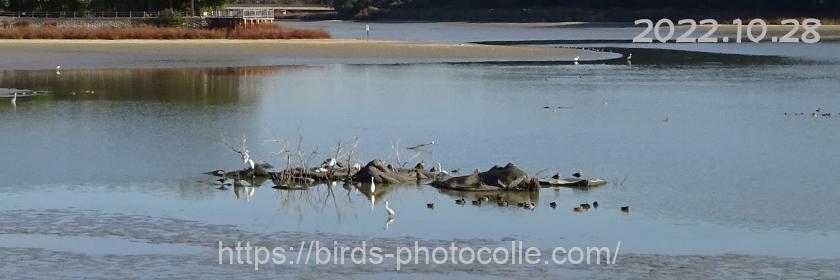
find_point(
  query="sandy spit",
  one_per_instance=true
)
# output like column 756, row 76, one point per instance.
column 76, row 54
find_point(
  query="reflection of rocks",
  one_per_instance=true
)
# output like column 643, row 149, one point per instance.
column 388, row 175
column 259, row 170
column 572, row 182
column 498, row 197
column 507, row 178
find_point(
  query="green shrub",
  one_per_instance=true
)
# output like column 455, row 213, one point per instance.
column 170, row 17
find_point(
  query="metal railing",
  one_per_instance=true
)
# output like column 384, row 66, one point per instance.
column 80, row 14
column 243, row 13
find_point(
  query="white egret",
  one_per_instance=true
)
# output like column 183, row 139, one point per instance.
column 441, row 170
column 14, row 99
column 390, row 211
column 329, row 163
column 630, row 56
column 577, row 58
column 246, row 159
column 58, row 68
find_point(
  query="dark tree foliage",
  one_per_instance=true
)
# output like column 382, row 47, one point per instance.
column 741, row 4
column 352, row 6
column 107, row 5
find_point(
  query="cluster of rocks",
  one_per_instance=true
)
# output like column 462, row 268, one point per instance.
column 498, row 178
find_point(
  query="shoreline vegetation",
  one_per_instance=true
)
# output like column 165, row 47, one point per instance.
column 23, row 30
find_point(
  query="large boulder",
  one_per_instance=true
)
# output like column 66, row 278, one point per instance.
column 385, row 174
column 507, row 178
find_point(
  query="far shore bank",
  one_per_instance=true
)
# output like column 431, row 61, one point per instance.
column 79, row 54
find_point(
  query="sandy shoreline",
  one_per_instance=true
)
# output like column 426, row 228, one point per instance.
column 75, row 54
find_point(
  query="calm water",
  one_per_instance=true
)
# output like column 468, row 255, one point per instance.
column 703, row 153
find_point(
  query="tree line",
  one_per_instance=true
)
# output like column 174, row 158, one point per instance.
column 357, row 5
column 109, row 5
column 795, row 5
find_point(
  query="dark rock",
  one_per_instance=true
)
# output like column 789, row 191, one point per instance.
column 508, row 178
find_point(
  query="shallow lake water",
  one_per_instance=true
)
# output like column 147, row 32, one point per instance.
column 712, row 157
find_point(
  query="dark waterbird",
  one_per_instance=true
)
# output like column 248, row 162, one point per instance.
column 625, row 209
column 553, row 204
column 430, row 205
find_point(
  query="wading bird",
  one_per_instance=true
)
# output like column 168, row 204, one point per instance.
column 390, row 211
column 630, row 56
column 14, row 99
column 441, row 170
column 246, row 159
column 328, row 163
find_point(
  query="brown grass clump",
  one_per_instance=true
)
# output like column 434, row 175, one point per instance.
column 48, row 31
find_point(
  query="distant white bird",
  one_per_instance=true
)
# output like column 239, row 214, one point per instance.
column 14, row 99
column 577, row 58
column 357, row 166
column 372, row 186
column 246, row 159
column 441, row 170
column 58, row 68
column 630, row 56
column 328, row 163
column 390, row 211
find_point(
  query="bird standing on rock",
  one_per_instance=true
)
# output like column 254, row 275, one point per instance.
column 577, row 174
column 328, row 163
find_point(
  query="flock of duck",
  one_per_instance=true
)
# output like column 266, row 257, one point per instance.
column 817, row 113
column 501, row 202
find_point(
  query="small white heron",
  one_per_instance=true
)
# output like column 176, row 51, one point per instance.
column 246, row 159
column 14, row 99
column 328, row 163
column 630, row 56
column 58, row 68
column 441, row 170
column 390, row 211
column 577, row 58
